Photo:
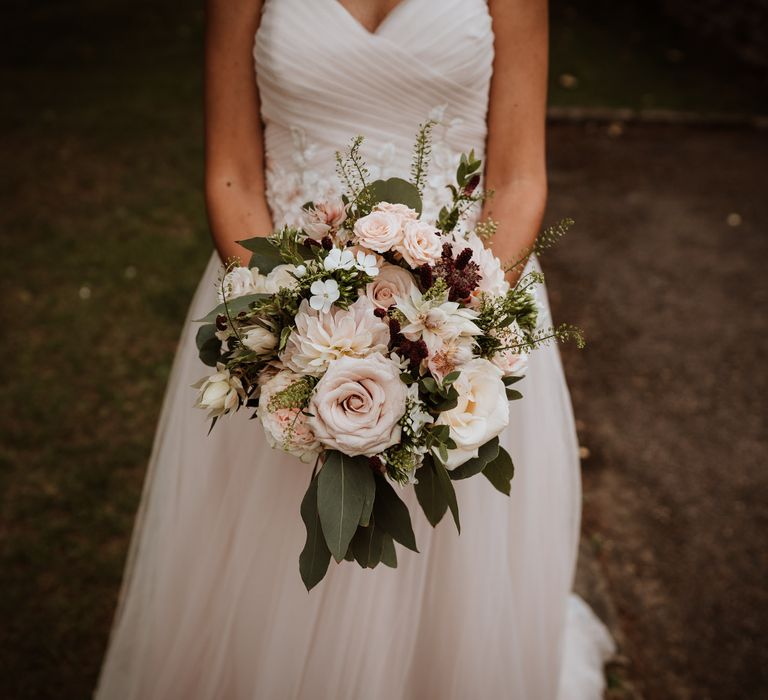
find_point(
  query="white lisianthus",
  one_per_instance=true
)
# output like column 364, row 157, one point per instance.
column 238, row 282
column 482, row 411
column 357, row 406
column 367, row 263
column 286, row 428
column 324, row 293
column 219, row 393
column 321, row 337
column 420, row 244
column 259, row 340
column 338, row 259
column 435, row 321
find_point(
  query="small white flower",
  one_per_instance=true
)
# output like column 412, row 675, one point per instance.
column 300, row 271
column 338, row 259
column 324, row 293
column 366, row 262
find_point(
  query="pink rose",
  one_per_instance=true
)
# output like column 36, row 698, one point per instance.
column 286, row 428
column 391, row 281
column 405, row 213
column 420, row 244
column 379, row 231
column 357, row 405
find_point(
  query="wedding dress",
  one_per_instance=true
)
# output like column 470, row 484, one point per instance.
column 212, row 604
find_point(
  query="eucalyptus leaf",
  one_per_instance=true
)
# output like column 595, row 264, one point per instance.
column 392, row 515
column 487, row 453
column 235, row 306
column 370, row 499
column 265, row 255
column 446, row 486
column 395, row 190
column 508, row 381
column 367, row 545
column 429, row 493
column 208, row 345
column 315, row 557
column 513, row 395
column 500, row 471
column 344, row 484
column 388, row 553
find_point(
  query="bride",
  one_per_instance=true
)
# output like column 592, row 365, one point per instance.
column 212, row 604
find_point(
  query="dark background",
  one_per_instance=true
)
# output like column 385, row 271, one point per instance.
column 658, row 149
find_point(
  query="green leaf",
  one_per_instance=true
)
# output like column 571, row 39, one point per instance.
column 513, row 395
column 429, row 493
column 235, row 306
column 446, row 486
column 370, row 499
column 344, row 484
column 208, row 345
column 487, row 453
column 388, row 553
column 509, row 381
column 367, row 545
column 500, row 471
column 392, row 514
column 315, row 557
column 395, row 190
column 266, row 256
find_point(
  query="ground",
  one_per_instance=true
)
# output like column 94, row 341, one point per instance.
column 103, row 237
column 665, row 271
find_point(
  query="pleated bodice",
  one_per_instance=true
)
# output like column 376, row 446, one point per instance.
column 323, row 79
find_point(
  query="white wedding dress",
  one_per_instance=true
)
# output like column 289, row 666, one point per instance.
column 212, row 604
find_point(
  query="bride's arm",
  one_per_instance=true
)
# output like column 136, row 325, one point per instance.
column 234, row 148
column 516, row 168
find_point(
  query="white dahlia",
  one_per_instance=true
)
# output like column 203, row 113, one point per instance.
column 320, row 337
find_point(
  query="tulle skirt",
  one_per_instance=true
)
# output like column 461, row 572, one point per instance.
column 212, row 604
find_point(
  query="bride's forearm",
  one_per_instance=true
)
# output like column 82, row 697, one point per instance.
column 518, row 210
column 235, row 211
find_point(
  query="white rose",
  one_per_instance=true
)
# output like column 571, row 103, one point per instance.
column 481, row 414
column 259, row 340
column 357, row 405
column 238, row 282
column 392, row 281
column 286, row 428
column 420, row 245
column 380, row 231
column 280, row 277
column 220, row 393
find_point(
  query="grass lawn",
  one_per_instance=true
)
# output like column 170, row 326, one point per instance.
column 102, row 240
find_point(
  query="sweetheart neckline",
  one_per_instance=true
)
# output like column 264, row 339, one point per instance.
column 381, row 25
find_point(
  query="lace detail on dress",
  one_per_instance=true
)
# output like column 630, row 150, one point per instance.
column 311, row 175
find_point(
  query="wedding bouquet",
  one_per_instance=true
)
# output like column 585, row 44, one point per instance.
column 380, row 346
